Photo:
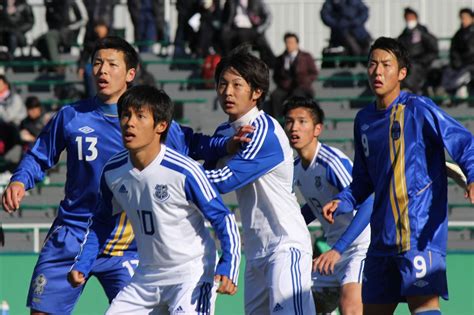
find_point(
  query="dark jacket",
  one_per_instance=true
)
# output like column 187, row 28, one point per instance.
column 66, row 16
column 157, row 9
column 461, row 53
column 422, row 46
column 301, row 74
column 259, row 14
column 345, row 16
column 19, row 22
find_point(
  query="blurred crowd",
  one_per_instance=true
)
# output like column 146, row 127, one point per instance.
column 208, row 29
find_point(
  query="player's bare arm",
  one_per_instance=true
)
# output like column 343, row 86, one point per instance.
column 76, row 278
column 13, row 196
column 329, row 209
column 326, row 261
column 470, row 192
column 226, row 286
column 241, row 136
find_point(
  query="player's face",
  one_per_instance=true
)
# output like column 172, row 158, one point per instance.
column 301, row 129
column 235, row 95
column 384, row 75
column 138, row 130
column 111, row 74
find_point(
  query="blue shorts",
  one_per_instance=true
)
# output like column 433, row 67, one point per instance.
column 50, row 292
column 390, row 279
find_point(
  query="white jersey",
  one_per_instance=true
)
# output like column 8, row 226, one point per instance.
column 329, row 172
column 165, row 203
column 262, row 174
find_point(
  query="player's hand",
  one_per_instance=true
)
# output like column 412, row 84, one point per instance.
column 239, row 137
column 226, row 286
column 12, row 196
column 470, row 192
column 328, row 210
column 76, row 278
column 325, row 263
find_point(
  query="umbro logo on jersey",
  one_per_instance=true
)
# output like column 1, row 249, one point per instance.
column 278, row 308
column 179, row 310
column 123, row 189
column 86, row 129
column 364, row 127
column 161, row 192
column 421, row 283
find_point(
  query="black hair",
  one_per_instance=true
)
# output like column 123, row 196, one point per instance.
column 465, row 11
column 254, row 71
column 4, row 79
column 409, row 10
column 289, row 34
column 317, row 114
column 140, row 96
column 394, row 47
column 32, row 102
column 119, row 44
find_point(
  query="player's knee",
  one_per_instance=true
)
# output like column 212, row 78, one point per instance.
column 436, row 311
column 351, row 307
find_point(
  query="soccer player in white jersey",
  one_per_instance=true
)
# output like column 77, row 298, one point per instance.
column 166, row 196
column 321, row 172
column 277, row 243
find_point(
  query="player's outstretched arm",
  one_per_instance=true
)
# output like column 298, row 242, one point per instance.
column 226, row 286
column 76, row 278
column 470, row 192
column 12, row 196
column 329, row 209
column 326, row 261
column 241, row 136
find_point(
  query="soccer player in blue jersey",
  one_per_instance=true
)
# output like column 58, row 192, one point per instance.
column 321, row 172
column 399, row 155
column 277, row 243
column 166, row 197
column 89, row 132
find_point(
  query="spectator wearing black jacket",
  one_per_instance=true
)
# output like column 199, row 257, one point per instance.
column 148, row 18
column 422, row 46
column 247, row 21
column 346, row 18
column 17, row 19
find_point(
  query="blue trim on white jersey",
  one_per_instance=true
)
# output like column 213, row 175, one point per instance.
column 261, row 129
column 233, row 231
column 332, row 161
column 296, row 281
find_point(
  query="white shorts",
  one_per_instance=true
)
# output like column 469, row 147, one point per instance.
column 279, row 283
column 348, row 270
column 177, row 299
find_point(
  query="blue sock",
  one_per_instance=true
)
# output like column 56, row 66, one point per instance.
column 428, row 312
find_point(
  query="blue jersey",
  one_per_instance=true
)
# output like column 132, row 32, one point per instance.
column 399, row 155
column 167, row 215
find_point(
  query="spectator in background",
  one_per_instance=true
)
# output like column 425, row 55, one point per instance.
column 422, row 47
column 208, row 37
column 458, row 77
column 17, row 19
column 346, row 19
column 64, row 19
column 12, row 111
column 247, row 21
column 35, row 120
column 294, row 74
column 99, row 10
column 186, row 9
column 148, row 18
column 84, row 66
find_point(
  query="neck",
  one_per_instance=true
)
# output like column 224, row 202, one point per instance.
column 111, row 99
column 384, row 101
column 142, row 157
column 233, row 118
column 307, row 153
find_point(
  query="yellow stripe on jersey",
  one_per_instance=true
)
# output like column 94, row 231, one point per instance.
column 122, row 238
column 398, row 189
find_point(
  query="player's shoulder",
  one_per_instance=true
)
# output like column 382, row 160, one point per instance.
column 176, row 161
column 116, row 161
column 222, row 129
column 331, row 153
column 417, row 102
column 71, row 110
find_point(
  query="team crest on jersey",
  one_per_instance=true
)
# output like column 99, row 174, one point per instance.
column 396, row 130
column 39, row 283
column 317, row 182
column 161, row 192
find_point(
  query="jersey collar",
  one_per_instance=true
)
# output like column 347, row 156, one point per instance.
column 246, row 119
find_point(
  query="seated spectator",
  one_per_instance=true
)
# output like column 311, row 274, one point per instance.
column 17, row 19
column 346, row 18
column 148, row 18
column 294, row 74
column 64, row 19
column 247, row 21
column 458, row 76
column 12, row 111
column 84, row 66
column 35, row 120
column 422, row 47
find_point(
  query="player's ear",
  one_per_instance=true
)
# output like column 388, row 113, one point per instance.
column 402, row 74
column 131, row 74
column 161, row 127
column 318, row 129
column 256, row 94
